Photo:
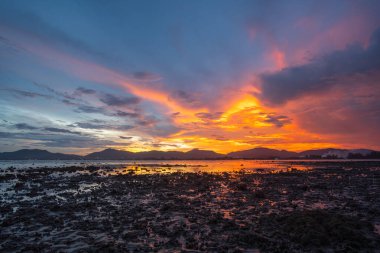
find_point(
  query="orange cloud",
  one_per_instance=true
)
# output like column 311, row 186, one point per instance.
column 243, row 122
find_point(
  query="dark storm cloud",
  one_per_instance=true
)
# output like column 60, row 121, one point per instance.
column 113, row 100
column 277, row 120
column 24, row 126
column 322, row 73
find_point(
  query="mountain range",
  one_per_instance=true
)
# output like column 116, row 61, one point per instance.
column 195, row 154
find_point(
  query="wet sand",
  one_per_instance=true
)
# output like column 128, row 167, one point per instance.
column 110, row 209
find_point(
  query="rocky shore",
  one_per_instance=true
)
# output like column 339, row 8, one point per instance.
column 108, row 209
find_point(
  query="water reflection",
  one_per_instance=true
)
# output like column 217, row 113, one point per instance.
column 236, row 166
column 178, row 210
column 114, row 167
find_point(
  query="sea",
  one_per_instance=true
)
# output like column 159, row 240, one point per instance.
column 167, row 166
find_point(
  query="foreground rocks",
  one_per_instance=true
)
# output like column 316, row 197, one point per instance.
column 92, row 209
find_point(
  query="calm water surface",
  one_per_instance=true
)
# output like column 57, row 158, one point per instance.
column 167, row 166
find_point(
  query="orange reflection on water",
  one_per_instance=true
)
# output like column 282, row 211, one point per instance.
column 209, row 166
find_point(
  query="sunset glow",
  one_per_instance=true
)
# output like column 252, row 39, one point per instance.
column 236, row 78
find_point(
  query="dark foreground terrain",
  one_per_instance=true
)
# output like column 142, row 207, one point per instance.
column 92, row 209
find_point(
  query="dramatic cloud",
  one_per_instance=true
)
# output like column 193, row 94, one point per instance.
column 60, row 130
column 80, row 90
column 237, row 78
column 90, row 109
column 148, row 121
column 113, row 100
column 90, row 125
column 82, row 106
column 145, row 76
column 125, row 137
column 24, row 126
column 101, row 125
column 321, row 73
column 277, row 120
column 53, row 140
column 340, row 115
column 127, row 114
column 184, row 97
column 209, row 116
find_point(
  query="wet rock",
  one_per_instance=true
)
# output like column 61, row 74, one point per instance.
column 91, row 209
column 242, row 187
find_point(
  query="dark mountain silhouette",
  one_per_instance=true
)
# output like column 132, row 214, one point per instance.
column 113, row 154
column 263, row 153
column 195, row 154
column 202, row 154
column 36, row 154
column 110, row 154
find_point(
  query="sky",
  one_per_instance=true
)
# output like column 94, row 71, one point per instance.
column 80, row 76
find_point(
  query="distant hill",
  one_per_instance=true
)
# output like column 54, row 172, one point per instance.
column 110, row 154
column 113, row 154
column 202, row 154
column 36, row 154
column 195, row 154
column 262, row 153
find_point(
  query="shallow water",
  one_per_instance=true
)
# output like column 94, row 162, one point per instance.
column 167, row 166
column 92, row 206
